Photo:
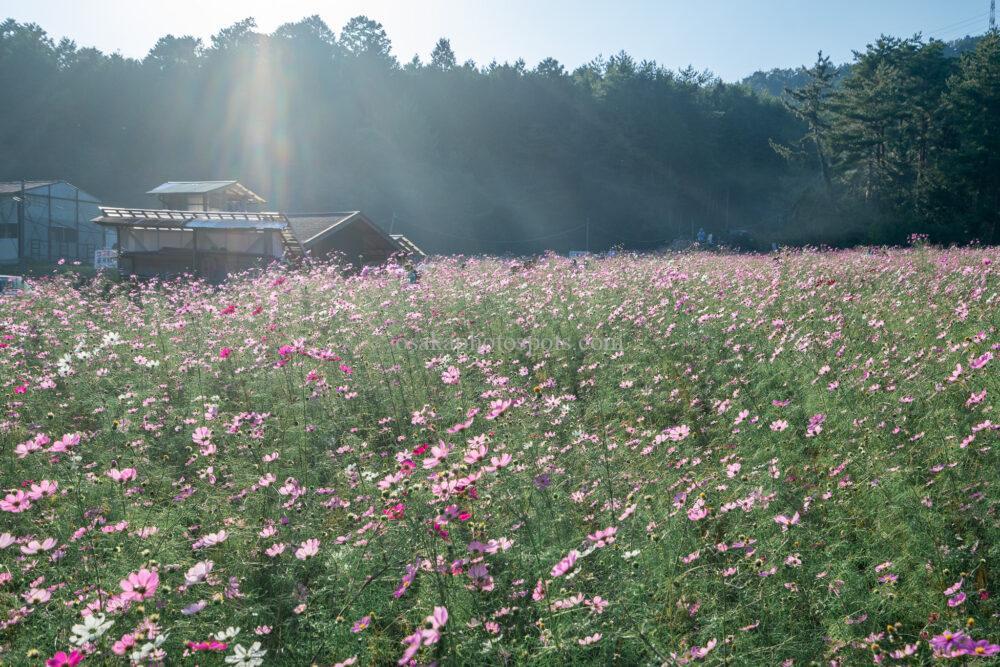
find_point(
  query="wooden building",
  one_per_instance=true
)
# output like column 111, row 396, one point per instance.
column 349, row 235
column 212, row 244
column 215, row 244
column 207, row 196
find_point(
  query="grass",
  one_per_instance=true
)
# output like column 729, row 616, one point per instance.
column 638, row 460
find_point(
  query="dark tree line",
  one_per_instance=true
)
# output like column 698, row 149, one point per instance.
column 510, row 158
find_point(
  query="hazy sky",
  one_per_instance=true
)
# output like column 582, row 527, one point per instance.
column 730, row 37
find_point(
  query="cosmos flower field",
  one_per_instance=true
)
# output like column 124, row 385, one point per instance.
column 639, row 460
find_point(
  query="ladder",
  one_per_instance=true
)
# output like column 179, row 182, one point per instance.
column 293, row 247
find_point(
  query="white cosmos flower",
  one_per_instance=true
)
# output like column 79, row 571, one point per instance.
column 92, row 628
column 247, row 657
column 147, row 649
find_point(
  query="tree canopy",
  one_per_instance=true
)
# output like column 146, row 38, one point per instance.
column 507, row 157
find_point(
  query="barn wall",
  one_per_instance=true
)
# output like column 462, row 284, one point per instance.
column 358, row 244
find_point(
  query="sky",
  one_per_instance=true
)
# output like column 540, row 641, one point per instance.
column 732, row 38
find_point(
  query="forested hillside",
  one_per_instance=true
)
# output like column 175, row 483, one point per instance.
column 498, row 158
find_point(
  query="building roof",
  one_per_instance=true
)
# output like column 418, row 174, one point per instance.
column 156, row 218
column 204, row 187
column 310, row 227
column 203, row 223
column 12, row 187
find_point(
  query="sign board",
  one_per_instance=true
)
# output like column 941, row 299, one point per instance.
column 11, row 284
column 105, row 259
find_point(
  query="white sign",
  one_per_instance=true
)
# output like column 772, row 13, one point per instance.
column 105, row 259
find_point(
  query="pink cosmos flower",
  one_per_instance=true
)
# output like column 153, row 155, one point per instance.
column 308, row 549
column 65, row 443
column 412, row 643
column 201, row 435
column 35, row 596
column 498, row 407
column 538, row 593
column 34, row 546
column 210, row 540
column 981, row 360
column 15, row 502
column 43, row 488
column 785, row 522
column 225, row 352
column 451, row 375
column 122, row 475
column 563, row 566
column 602, row 538
column 698, row 652
column 698, row 511
column 597, row 605
column 198, row 572
column 122, row 646
column 140, row 585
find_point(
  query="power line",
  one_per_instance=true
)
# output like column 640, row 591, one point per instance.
column 950, row 26
column 491, row 241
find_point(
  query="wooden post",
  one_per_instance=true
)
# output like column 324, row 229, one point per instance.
column 194, row 255
column 76, row 217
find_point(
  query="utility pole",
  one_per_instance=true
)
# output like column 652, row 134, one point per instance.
column 588, row 235
column 727, row 210
column 993, row 14
column 48, row 230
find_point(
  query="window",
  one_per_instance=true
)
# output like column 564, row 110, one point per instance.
column 62, row 235
column 8, row 230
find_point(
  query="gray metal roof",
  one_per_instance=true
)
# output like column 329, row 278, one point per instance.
column 11, row 187
column 204, row 187
column 189, row 187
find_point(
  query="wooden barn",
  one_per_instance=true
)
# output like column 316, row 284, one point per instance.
column 351, row 235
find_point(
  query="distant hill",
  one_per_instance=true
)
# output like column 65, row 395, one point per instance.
column 773, row 82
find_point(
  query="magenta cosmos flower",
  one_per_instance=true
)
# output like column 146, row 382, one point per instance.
column 63, row 659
